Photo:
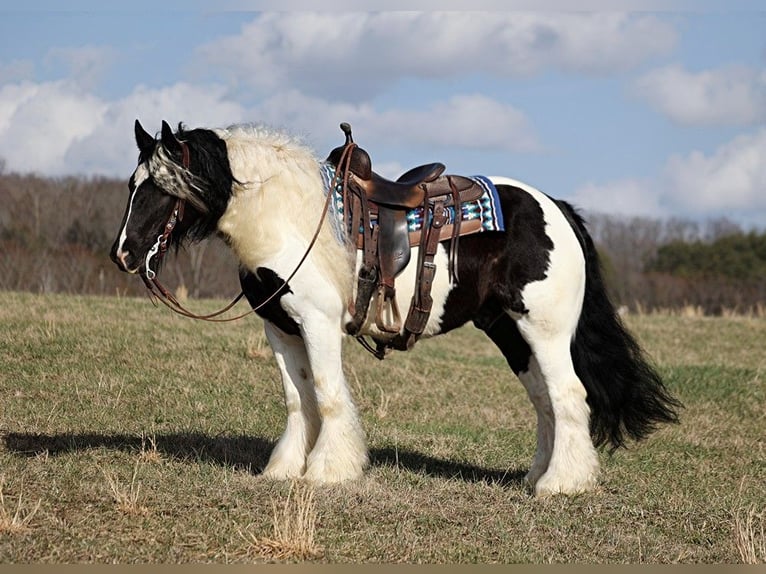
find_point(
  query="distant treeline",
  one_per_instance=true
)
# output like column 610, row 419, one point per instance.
column 726, row 273
column 55, row 235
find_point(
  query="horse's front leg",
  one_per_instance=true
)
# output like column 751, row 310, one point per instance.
column 288, row 459
column 340, row 452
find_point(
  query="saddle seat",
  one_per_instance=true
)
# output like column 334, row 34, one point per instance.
column 407, row 191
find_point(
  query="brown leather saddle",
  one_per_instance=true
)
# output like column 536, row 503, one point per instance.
column 375, row 214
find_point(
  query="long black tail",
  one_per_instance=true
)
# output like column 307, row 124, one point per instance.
column 626, row 394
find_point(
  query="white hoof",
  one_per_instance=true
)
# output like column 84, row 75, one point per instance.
column 284, row 469
column 548, row 484
column 321, row 470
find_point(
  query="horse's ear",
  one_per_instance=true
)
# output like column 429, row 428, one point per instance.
column 144, row 140
column 169, row 140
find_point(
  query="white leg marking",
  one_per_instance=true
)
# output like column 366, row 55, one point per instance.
column 340, row 452
column 314, row 303
column 573, row 461
column 288, row 459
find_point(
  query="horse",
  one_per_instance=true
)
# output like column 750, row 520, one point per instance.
column 535, row 288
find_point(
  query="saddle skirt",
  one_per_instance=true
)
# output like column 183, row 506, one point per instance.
column 476, row 216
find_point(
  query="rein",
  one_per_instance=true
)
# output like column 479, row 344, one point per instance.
column 160, row 292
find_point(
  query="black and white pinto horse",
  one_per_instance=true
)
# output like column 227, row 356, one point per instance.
column 535, row 289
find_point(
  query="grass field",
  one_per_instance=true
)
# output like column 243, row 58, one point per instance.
column 131, row 435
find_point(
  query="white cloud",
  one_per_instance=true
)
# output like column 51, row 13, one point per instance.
column 109, row 147
column 496, row 5
column 464, row 120
column 732, row 95
column 469, row 121
column 16, row 71
column 56, row 128
column 729, row 182
column 39, row 122
column 621, row 197
column 390, row 169
column 732, row 180
column 355, row 55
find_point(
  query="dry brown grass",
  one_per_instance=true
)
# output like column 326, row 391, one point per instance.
column 750, row 530
column 15, row 519
column 293, row 534
column 257, row 346
column 126, row 496
column 750, row 536
column 143, row 434
column 149, row 452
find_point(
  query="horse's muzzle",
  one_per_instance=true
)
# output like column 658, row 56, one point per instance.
column 120, row 258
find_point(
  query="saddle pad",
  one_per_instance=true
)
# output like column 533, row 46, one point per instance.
column 485, row 211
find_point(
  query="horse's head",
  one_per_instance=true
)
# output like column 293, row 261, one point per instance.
column 190, row 166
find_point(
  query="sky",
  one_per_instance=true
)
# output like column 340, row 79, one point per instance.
column 651, row 109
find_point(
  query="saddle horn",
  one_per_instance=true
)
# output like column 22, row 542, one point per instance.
column 346, row 127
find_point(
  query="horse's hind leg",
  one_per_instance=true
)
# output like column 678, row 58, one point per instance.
column 504, row 333
column 288, row 459
column 573, row 461
column 536, row 344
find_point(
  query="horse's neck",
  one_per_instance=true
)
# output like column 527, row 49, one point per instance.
column 251, row 166
column 257, row 155
column 278, row 199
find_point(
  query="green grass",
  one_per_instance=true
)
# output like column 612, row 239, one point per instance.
column 128, row 434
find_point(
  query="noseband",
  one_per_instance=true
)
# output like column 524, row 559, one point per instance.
column 160, row 292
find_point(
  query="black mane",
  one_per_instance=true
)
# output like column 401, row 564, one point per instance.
column 209, row 162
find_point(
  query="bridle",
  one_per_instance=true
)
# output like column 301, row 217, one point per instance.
column 161, row 293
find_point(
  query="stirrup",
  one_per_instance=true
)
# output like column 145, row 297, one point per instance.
column 387, row 308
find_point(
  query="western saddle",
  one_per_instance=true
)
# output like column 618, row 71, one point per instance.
column 375, row 218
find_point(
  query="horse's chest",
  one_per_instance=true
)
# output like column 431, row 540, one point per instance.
column 265, row 284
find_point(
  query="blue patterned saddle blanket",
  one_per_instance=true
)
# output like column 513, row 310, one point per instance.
column 483, row 214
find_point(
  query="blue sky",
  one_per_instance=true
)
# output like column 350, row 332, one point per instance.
column 656, row 110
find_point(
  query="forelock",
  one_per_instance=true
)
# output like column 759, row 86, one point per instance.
column 174, row 179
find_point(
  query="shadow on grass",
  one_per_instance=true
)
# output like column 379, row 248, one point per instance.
column 237, row 451
column 438, row 467
column 243, row 452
